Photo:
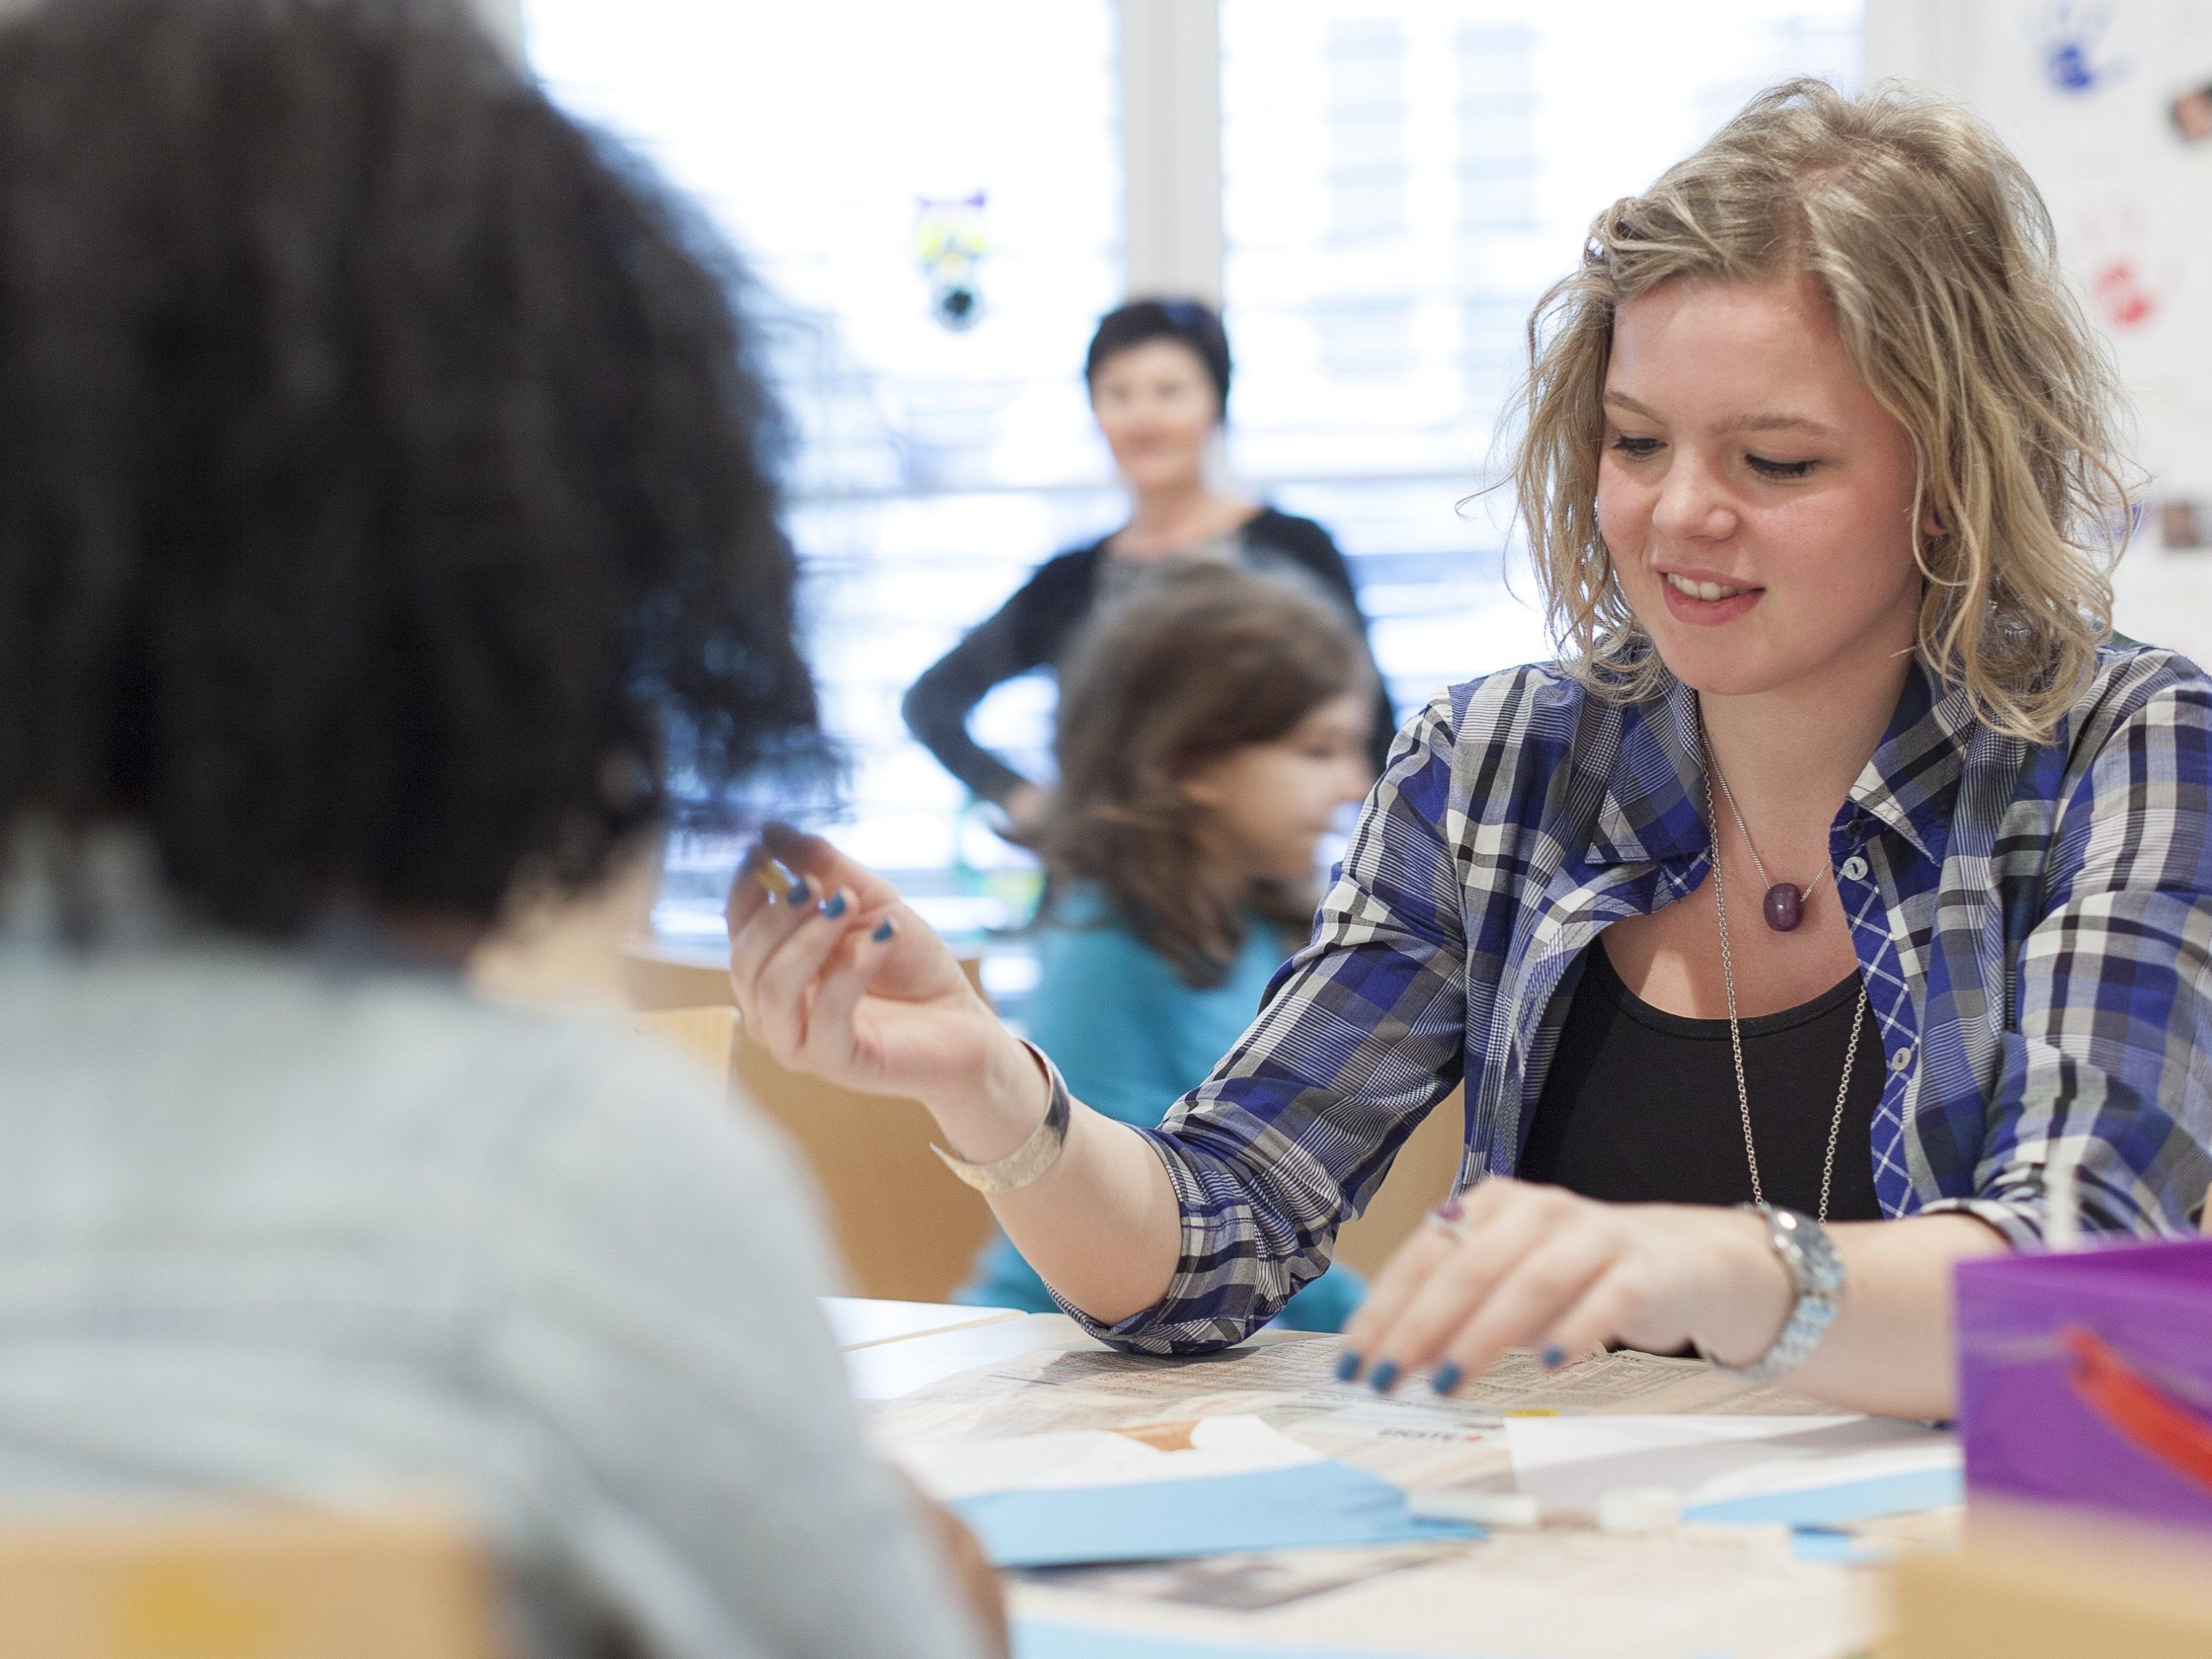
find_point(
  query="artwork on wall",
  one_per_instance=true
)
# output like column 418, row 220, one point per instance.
column 2074, row 49
column 2192, row 114
column 2184, row 524
column 2109, row 105
column 948, row 246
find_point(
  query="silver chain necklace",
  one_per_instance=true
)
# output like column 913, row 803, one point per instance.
column 1735, row 1029
column 1784, row 906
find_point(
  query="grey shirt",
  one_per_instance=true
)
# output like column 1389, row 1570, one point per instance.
column 286, row 1225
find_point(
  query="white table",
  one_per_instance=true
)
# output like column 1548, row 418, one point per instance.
column 860, row 1322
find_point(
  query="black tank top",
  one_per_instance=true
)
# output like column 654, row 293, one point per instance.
column 1640, row 1106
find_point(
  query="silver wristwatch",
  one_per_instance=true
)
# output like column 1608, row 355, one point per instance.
column 1035, row 1155
column 1817, row 1271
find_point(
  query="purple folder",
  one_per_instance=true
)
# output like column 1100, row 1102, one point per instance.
column 2086, row 1378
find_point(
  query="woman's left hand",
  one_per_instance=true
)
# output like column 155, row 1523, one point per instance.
column 1511, row 1265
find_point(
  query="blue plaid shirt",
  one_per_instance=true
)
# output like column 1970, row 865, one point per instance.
column 2033, row 924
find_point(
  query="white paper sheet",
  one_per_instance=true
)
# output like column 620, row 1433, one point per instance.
column 1099, row 1457
column 1569, row 1462
column 890, row 1370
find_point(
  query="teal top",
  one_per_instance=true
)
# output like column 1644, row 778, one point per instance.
column 1133, row 1039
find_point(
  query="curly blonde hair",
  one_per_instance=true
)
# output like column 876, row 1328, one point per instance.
column 1937, row 255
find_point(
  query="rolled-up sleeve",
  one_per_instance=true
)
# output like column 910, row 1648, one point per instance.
column 1360, row 1036
column 2109, row 1067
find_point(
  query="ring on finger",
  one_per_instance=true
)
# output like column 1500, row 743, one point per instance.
column 1447, row 1218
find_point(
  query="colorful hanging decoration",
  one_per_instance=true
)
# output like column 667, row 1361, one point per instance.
column 949, row 244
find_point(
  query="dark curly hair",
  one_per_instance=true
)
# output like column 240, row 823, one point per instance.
column 1196, row 662
column 384, row 503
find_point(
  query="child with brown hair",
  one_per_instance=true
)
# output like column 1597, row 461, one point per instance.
column 1212, row 726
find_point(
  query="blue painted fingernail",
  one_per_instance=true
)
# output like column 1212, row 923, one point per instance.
column 1447, row 1379
column 883, row 931
column 1348, row 1366
column 1554, row 1357
column 799, row 893
column 834, row 907
column 1385, row 1375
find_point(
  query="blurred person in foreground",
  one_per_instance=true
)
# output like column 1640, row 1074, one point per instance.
column 1158, row 371
column 386, row 520
column 1212, row 727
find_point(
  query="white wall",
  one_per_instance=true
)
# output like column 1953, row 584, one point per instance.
column 2081, row 92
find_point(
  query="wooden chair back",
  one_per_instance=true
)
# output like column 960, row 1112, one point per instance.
column 245, row 1584
column 907, row 1230
column 1423, row 1175
column 709, row 1035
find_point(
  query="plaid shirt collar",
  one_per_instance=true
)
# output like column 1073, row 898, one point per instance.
column 1653, row 809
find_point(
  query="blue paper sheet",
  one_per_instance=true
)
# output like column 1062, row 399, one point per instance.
column 1839, row 1548
column 1851, row 1500
column 1306, row 1504
column 1036, row 1641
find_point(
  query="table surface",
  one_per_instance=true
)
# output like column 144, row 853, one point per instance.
column 1586, row 1595
column 857, row 1321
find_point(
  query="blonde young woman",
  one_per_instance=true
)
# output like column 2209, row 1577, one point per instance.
column 1841, row 839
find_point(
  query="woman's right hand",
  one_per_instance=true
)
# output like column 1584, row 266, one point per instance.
column 841, row 980
column 1025, row 809
column 846, row 983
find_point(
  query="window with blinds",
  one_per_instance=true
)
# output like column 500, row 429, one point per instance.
column 930, row 205
column 1401, row 181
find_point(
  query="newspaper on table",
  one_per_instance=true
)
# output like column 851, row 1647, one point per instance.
column 1415, row 1438
column 1565, row 1589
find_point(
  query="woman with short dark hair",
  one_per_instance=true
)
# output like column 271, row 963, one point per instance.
column 1158, row 371
column 384, row 527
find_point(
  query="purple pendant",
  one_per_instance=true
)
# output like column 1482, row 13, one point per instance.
column 1785, row 907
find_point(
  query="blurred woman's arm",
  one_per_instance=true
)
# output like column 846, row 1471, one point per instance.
column 1017, row 637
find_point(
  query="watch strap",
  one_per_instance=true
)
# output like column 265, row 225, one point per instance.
column 1810, row 1257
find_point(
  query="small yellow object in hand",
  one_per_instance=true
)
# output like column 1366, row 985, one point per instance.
column 774, row 877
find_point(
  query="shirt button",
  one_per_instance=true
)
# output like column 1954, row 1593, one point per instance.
column 1902, row 1060
column 1854, row 867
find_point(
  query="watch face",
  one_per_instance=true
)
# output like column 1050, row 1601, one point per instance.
column 1822, row 1270
column 1806, row 1250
